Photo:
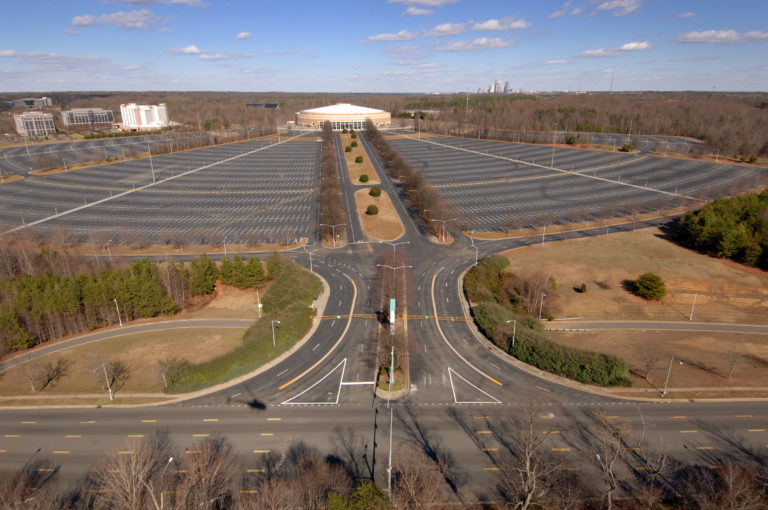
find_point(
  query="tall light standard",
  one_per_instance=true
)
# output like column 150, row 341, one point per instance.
column 310, row 258
column 391, row 375
column 669, row 372
column 225, row 246
column 333, row 230
column 393, row 272
column 118, row 312
column 443, row 223
column 514, row 330
column 477, row 251
column 394, row 246
column 109, row 251
column 273, row 332
column 151, row 166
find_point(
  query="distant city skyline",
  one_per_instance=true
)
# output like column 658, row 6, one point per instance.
column 383, row 45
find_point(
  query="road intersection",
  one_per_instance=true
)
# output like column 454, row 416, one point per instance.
column 462, row 400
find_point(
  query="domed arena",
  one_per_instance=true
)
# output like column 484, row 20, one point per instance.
column 342, row 116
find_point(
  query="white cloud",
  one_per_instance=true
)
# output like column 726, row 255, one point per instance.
column 186, row 50
column 9, row 53
column 508, row 23
column 722, row 36
column 557, row 62
column 427, row 3
column 243, row 35
column 562, row 11
column 688, row 14
column 166, row 30
column 222, row 56
column 620, row 7
column 129, row 20
column 191, row 3
column 72, row 31
column 402, row 35
column 620, row 50
column 415, row 11
column 482, row 43
column 446, row 29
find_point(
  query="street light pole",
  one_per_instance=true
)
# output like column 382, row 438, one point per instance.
column 393, row 272
column 258, row 303
column 118, row 313
column 333, row 230
column 394, row 246
column 693, row 306
column 151, row 166
column 669, row 372
column 477, row 251
column 514, row 330
column 225, row 246
column 273, row 333
column 541, row 306
column 391, row 375
column 443, row 222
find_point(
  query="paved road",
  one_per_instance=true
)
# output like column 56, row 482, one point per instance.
column 462, row 401
column 661, row 326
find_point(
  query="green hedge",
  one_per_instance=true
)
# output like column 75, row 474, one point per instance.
column 287, row 300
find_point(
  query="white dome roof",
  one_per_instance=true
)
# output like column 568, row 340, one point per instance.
column 343, row 109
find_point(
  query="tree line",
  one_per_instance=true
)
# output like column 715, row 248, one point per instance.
column 49, row 294
column 426, row 199
column 735, row 228
column 332, row 211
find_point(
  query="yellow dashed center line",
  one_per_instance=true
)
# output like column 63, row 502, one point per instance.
column 561, row 449
column 640, row 468
column 491, row 469
column 193, row 452
column 136, row 435
column 689, row 431
column 679, row 417
column 705, row 447
column 551, row 431
column 89, row 422
column 262, row 451
column 256, row 470
column 249, row 491
column 756, row 430
column 480, row 417
column 148, row 421
column 267, row 434
column 274, row 419
column 743, row 416
column 483, row 432
column 45, row 470
column 72, row 436
column 182, row 471
column 60, row 452
column 715, row 466
column 3, row 451
column 490, row 450
column 611, row 417
column 125, row 452
column 114, row 470
column 28, row 422
column 210, row 419
column 12, row 435
column 200, row 435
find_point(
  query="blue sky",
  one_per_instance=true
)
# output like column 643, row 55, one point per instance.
column 383, row 45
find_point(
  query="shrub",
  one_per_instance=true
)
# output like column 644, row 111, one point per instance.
column 353, row 144
column 650, row 286
column 372, row 210
column 347, row 149
column 375, row 191
column 627, row 148
column 358, row 159
column 344, row 131
column 352, row 134
column 364, row 178
column 583, row 289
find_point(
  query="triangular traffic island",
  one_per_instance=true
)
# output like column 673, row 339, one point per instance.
column 326, row 391
column 464, row 392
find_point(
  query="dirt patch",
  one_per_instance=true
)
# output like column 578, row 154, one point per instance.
column 229, row 303
column 117, row 250
column 706, row 357
column 358, row 169
column 385, row 226
column 140, row 351
column 7, row 179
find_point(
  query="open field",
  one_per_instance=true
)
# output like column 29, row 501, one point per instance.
column 141, row 352
column 725, row 292
column 358, row 169
column 385, row 226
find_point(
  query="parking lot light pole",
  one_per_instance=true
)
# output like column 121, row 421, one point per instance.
column 151, row 166
column 333, row 230
column 394, row 269
column 273, row 332
column 514, row 330
column 477, row 251
column 118, row 312
column 225, row 246
column 110, row 252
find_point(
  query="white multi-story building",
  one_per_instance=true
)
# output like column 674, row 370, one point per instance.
column 88, row 118
column 34, row 123
column 144, row 116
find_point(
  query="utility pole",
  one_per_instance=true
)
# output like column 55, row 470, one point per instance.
column 693, row 306
column 671, row 359
column 258, row 303
column 118, row 314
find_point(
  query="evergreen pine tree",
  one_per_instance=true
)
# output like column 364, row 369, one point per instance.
column 226, row 271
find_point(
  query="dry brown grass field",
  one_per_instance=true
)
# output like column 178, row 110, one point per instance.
column 385, row 226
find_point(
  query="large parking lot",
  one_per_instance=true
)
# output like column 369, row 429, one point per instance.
column 495, row 185
column 247, row 193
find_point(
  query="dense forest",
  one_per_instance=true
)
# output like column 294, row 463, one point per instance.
column 735, row 228
column 730, row 123
column 49, row 294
